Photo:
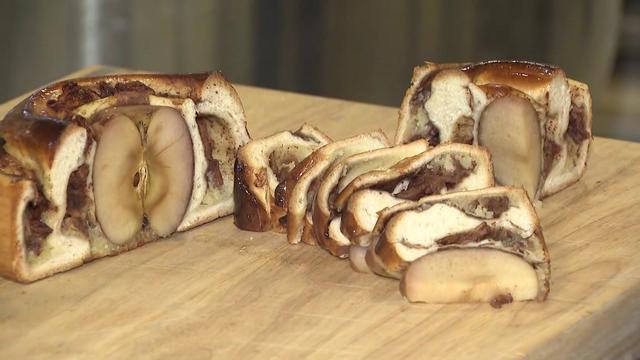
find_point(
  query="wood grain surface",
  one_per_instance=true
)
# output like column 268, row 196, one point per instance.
column 218, row 292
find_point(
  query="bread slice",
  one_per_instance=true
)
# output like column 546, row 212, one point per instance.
column 260, row 165
column 296, row 193
column 450, row 103
column 445, row 168
column 326, row 220
column 53, row 137
column 480, row 225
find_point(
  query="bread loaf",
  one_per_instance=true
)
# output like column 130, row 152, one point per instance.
column 533, row 119
column 96, row 166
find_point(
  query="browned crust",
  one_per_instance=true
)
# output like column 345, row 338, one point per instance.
column 321, row 226
column 341, row 251
column 33, row 128
column 283, row 197
column 308, row 237
column 33, row 137
column 546, row 265
column 285, row 187
column 179, row 86
column 517, row 74
column 252, row 178
column 13, row 190
column 248, row 213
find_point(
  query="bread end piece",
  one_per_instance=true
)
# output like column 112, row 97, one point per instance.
column 260, row 165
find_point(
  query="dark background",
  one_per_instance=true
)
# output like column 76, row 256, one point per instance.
column 356, row 50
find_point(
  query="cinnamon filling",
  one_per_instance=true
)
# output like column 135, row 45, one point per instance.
column 489, row 207
column 432, row 179
column 73, row 95
column 281, row 167
column 482, row 232
column 550, row 150
column 35, row 230
column 576, row 130
column 213, row 174
column 253, row 217
column 77, row 198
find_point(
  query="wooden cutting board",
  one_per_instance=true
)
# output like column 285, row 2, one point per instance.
column 217, row 292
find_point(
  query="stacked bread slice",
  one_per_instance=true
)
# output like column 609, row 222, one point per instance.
column 389, row 207
column 260, row 166
column 534, row 120
column 288, row 198
column 326, row 220
column 347, row 213
column 97, row 166
column 427, row 210
column 445, row 168
column 478, row 245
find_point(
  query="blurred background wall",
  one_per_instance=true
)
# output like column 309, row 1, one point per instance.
column 356, row 50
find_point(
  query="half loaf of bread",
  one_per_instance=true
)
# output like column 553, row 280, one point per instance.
column 533, row 119
column 96, row 166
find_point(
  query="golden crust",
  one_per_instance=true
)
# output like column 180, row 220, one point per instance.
column 521, row 75
column 249, row 214
column 30, row 138
column 13, row 191
column 33, row 128
column 350, row 226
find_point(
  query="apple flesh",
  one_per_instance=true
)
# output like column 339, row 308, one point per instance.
column 143, row 167
column 509, row 128
column 118, row 157
column 469, row 275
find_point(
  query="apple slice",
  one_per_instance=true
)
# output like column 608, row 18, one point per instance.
column 169, row 157
column 509, row 128
column 144, row 165
column 470, row 275
column 116, row 179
